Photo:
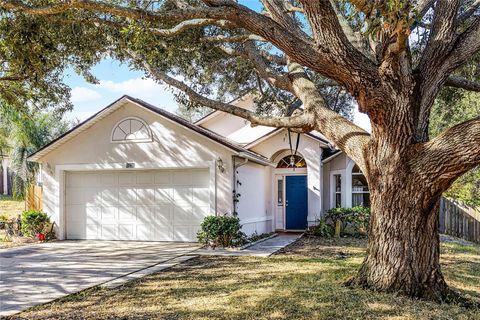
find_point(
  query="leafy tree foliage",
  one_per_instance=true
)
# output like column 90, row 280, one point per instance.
column 454, row 106
column 25, row 132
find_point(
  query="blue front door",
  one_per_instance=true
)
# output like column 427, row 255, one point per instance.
column 296, row 202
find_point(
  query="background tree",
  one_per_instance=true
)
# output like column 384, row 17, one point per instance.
column 25, row 132
column 393, row 57
column 452, row 107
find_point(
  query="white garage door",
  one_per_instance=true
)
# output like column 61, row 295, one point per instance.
column 158, row 205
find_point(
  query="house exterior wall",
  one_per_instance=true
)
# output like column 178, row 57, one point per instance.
column 173, row 146
column 342, row 165
column 254, row 207
column 311, row 150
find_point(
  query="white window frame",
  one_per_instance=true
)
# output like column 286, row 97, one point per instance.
column 333, row 191
column 149, row 139
column 349, row 189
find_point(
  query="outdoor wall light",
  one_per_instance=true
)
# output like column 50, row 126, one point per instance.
column 220, row 166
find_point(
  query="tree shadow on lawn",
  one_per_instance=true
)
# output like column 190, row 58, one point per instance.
column 305, row 281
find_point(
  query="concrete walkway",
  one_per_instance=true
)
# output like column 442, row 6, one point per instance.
column 40, row 273
column 262, row 249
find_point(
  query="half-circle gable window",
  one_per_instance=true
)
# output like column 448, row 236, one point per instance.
column 131, row 130
column 292, row 161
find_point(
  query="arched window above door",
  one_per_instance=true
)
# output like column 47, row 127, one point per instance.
column 292, row 161
column 131, row 130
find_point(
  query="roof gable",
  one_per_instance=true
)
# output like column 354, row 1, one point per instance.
column 85, row 125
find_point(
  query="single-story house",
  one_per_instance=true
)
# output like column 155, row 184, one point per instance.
column 134, row 171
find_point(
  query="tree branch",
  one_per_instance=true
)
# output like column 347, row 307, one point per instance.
column 304, row 120
column 462, row 83
column 468, row 12
column 356, row 73
column 231, row 39
column 13, row 78
column 442, row 36
column 347, row 136
column 448, row 155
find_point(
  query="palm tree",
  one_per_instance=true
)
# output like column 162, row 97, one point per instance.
column 27, row 132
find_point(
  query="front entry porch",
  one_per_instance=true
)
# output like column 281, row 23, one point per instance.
column 291, row 193
column 296, row 202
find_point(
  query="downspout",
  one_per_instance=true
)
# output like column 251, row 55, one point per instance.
column 234, row 193
column 216, row 173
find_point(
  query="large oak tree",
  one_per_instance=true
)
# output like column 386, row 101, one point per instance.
column 392, row 56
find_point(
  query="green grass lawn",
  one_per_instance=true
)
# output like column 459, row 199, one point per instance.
column 304, row 281
column 11, row 208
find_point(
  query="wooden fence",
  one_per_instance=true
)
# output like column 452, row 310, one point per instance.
column 459, row 221
column 34, row 198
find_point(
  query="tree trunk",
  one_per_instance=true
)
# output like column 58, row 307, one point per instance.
column 403, row 248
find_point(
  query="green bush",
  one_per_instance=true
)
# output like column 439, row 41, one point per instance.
column 322, row 229
column 33, row 222
column 221, row 231
column 354, row 220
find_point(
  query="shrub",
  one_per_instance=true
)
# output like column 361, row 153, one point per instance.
column 354, row 220
column 221, row 231
column 33, row 222
column 322, row 229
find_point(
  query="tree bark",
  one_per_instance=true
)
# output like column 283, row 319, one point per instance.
column 403, row 249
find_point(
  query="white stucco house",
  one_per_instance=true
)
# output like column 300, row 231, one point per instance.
column 133, row 171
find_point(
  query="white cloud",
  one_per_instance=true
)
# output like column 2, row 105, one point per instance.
column 134, row 87
column 83, row 94
column 142, row 88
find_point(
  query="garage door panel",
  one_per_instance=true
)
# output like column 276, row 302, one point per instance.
column 145, row 196
column 183, row 195
column 109, row 232
column 108, row 179
column 76, row 212
column 127, row 214
column 183, row 178
column 90, row 179
column 127, row 196
column 109, row 197
column 201, row 196
column 163, row 178
column 91, row 196
column 183, row 215
column 127, row 178
column 163, row 195
column 163, row 215
column 92, row 231
column 93, row 214
column 164, row 233
column 145, row 178
column 200, row 178
column 78, row 232
column 126, row 231
column 185, row 233
column 75, row 196
column 109, row 214
column 138, row 205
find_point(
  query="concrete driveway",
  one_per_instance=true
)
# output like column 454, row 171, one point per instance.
column 40, row 273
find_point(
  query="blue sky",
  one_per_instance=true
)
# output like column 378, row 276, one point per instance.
column 117, row 79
